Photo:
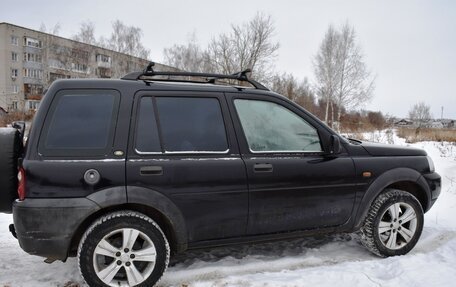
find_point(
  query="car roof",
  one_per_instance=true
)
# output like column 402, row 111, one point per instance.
column 151, row 85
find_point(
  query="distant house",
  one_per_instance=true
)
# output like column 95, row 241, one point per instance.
column 434, row 124
column 447, row 123
column 404, row 122
column 2, row 112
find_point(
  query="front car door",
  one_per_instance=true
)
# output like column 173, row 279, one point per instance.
column 293, row 185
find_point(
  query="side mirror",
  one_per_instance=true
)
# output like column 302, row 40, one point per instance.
column 334, row 145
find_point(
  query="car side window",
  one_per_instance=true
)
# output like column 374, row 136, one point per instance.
column 270, row 127
column 186, row 125
column 80, row 123
column 147, row 139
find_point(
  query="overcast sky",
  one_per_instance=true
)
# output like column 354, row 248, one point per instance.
column 409, row 45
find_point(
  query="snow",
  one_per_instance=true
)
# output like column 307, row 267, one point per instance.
column 336, row 260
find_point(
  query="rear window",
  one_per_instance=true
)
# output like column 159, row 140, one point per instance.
column 80, row 123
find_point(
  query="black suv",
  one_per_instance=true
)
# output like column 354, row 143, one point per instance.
column 124, row 173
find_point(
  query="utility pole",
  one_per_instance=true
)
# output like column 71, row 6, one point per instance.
column 441, row 115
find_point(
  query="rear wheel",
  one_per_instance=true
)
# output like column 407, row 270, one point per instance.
column 124, row 248
column 10, row 151
column 394, row 224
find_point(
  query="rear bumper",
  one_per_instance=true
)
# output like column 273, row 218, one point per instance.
column 45, row 227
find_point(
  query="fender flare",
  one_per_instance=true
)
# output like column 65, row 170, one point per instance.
column 384, row 180
column 158, row 201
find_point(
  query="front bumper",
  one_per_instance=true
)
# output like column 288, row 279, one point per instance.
column 434, row 181
column 45, row 227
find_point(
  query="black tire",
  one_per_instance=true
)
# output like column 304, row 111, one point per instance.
column 107, row 228
column 10, row 151
column 385, row 234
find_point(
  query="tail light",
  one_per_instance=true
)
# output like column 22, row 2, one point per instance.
column 21, row 184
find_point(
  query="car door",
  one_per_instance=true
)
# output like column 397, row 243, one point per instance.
column 293, row 185
column 183, row 146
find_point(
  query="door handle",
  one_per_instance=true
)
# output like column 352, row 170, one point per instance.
column 151, row 170
column 262, row 167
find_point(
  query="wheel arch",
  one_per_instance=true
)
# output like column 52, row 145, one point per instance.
column 405, row 179
column 151, row 203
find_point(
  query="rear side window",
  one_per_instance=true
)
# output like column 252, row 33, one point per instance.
column 191, row 124
column 80, row 123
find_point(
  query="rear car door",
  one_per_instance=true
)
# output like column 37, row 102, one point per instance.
column 183, row 147
column 293, row 185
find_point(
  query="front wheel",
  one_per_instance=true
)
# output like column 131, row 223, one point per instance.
column 123, row 248
column 394, row 224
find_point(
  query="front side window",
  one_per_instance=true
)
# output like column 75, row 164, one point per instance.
column 191, row 124
column 270, row 127
column 80, row 123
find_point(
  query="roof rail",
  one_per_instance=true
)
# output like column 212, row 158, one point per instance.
column 210, row 78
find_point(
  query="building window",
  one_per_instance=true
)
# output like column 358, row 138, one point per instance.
column 14, row 73
column 31, row 42
column 33, row 105
column 14, row 105
column 80, row 68
column 31, row 57
column 14, row 56
column 33, row 73
column 56, row 76
column 103, row 58
column 15, row 89
column 14, row 40
column 32, row 90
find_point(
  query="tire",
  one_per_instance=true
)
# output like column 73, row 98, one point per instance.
column 10, row 151
column 394, row 224
column 108, row 257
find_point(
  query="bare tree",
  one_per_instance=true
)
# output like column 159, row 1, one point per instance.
column 126, row 39
column 325, row 68
column 420, row 113
column 355, row 82
column 249, row 45
column 55, row 30
column 189, row 57
column 343, row 79
column 86, row 33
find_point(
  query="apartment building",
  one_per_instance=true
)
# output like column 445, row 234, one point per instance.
column 31, row 60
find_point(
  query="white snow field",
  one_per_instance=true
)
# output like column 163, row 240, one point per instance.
column 337, row 260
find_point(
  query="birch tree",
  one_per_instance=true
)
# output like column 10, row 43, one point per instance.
column 326, row 68
column 420, row 113
column 86, row 33
column 187, row 57
column 126, row 39
column 343, row 80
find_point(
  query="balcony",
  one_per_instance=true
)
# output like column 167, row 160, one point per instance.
column 102, row 64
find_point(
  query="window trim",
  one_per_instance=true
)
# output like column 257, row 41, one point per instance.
column 157, row 121
column 281, row 152
column 79, row 153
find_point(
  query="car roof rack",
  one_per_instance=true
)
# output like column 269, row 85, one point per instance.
column 210, row 78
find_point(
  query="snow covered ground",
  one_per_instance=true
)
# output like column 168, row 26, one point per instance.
column 324, row 261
